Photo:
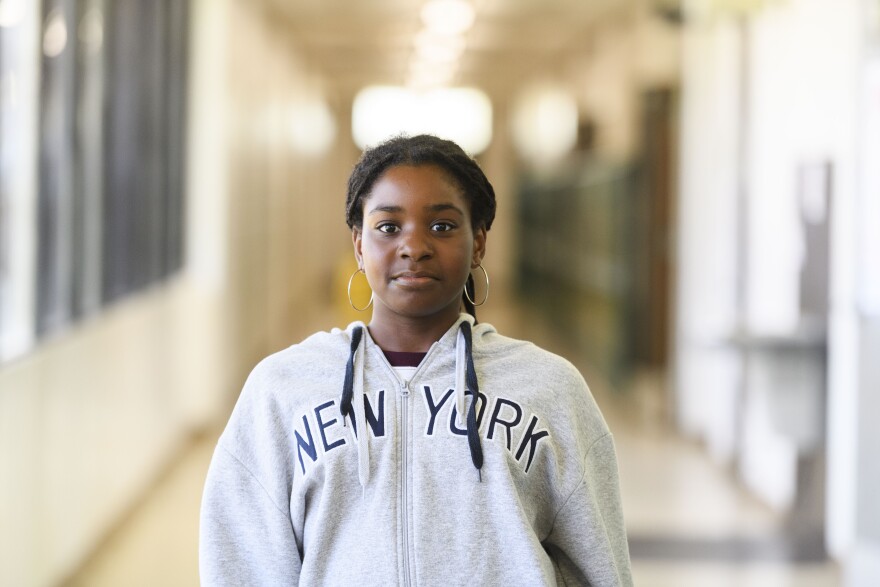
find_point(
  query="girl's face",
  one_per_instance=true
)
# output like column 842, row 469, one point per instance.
column 416, row 244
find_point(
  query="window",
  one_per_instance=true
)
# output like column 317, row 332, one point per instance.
column 101, row 216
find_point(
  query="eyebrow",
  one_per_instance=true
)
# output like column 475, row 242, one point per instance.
column 433, row 208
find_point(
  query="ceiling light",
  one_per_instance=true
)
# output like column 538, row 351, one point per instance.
column 379, row 112
column 463, row 115
column 545, row 123
column 311, row 126
column 10, row 12
column 428, row 37
column 54, row 34
column 448, row 17
column 441, row 50
column 424, row 74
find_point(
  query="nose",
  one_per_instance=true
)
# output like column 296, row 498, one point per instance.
column 415, row 245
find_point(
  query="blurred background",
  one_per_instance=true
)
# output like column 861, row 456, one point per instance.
column 689, row 210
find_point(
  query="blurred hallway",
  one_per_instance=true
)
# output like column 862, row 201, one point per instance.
column 689, row 523
column 688, row 209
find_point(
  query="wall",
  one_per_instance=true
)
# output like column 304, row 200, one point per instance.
column 89, row 419
column 796, row 64
column 624, row 58
column 705, row 368
column 863, row 562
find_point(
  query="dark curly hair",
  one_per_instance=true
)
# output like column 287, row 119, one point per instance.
column 423, row 150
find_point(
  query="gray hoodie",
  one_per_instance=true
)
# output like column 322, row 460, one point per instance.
column 390, row 494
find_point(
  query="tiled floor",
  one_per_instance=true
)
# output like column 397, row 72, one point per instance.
column 689, row 523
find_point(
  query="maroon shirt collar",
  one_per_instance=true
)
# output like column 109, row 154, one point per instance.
column 404, row 359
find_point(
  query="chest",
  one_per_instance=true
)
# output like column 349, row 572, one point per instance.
column 424, row 418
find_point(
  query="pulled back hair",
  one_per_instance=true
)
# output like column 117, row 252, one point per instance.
column 421, row 150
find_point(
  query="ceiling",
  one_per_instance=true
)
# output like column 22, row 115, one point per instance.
column 354, row 43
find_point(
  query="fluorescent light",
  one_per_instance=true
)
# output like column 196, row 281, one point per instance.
column 380, row 112
column 424, row 73
column 463, row 115
column 448, row 16
column 440, row 50
column 10, row 13
column 311, row 126
column 54, row 34
column 545, row 123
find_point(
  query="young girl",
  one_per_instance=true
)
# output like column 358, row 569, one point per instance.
column 423, row 448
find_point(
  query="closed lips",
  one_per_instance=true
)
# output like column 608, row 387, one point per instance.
column 414, row 275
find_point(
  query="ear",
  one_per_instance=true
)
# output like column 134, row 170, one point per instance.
column 356, row 235
column 479, row 247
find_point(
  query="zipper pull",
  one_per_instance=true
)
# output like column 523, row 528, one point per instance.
column 404, row 389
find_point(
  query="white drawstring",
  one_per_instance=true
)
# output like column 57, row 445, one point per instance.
column 358, row 413
column 460, row 386
column 363, row 446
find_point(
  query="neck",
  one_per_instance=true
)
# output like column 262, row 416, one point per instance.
column 408, row 334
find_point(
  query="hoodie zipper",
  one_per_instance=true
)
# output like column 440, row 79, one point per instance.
column 404, row 485
column 404, row 451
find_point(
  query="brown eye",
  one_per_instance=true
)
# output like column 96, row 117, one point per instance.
column 387, row 228
column 442, row 226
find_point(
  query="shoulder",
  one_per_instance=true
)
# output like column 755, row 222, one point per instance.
column 549, row 383
column 524, row 358
column 280, row 385
column 315, row 366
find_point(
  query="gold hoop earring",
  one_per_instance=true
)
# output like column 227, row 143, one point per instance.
column 486, row 297
column 350, row 279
